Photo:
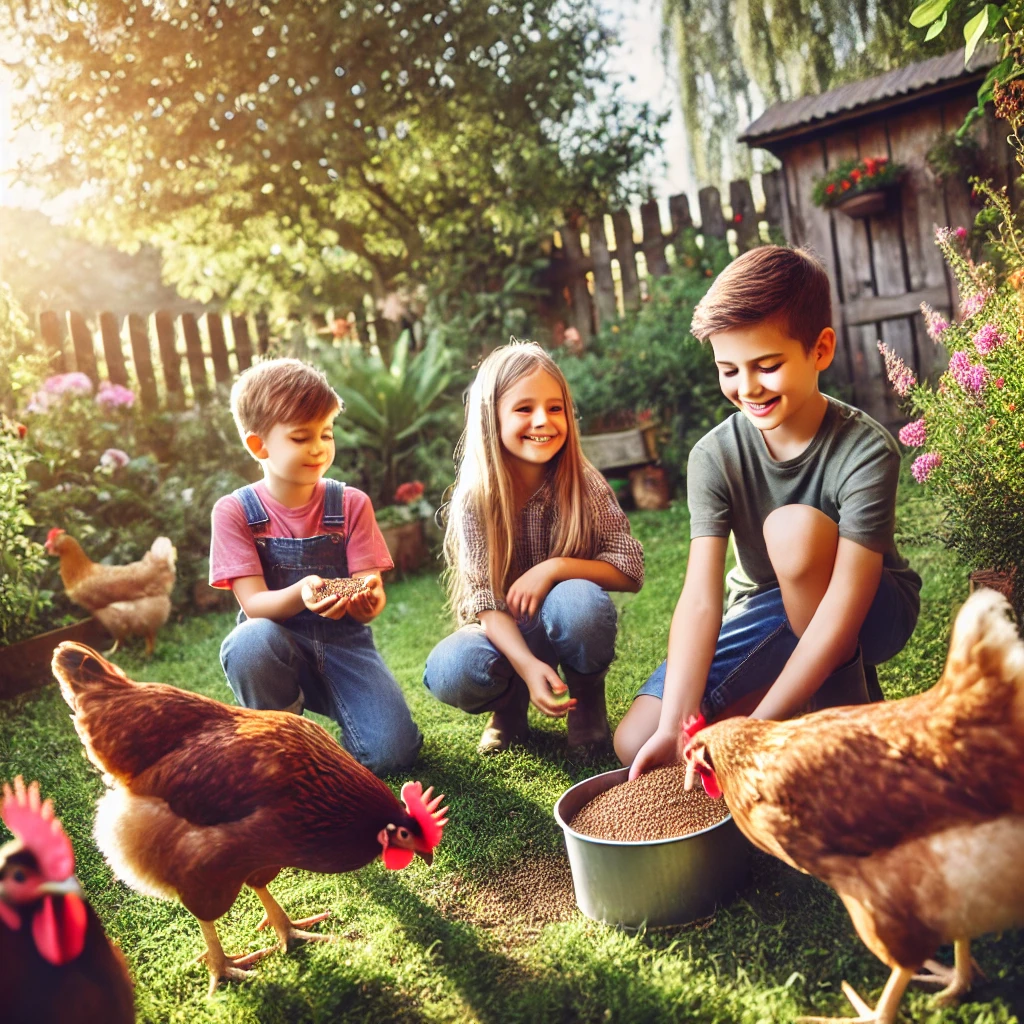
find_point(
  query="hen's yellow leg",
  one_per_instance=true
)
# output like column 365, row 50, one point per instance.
column 957, row 979
column 221, row 966
column 287, row 930
column 884, row 1013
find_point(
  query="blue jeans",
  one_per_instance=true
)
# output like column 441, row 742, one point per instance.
column 755, row 643
column 274, row 667
column 575, row 627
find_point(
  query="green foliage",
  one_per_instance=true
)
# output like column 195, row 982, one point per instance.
column 851, row 177
column 401, row 421
column 971, row 425
column 288, row 153
column 651, row 363
column 953, row 156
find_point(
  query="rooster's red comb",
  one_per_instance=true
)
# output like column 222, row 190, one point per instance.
column 425, row 810
column 33, row 822
column 693, row 725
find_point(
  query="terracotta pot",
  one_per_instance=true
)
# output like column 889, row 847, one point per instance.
column 864, row 204
column 407, row 544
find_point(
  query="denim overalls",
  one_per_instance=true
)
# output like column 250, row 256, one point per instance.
column 329, row 666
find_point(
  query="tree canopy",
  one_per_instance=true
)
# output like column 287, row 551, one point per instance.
column 302, row 147
column 734, row 55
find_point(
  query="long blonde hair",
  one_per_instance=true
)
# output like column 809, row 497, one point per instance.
column 483, row 484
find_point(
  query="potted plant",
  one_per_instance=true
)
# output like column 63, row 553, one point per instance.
column 969, row 427
column 402, row 525
column 858, row 188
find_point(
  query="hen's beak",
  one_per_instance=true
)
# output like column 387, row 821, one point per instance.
column 427, row 855
column 69, row 887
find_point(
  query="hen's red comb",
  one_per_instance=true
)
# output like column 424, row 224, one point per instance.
column 693, row 725
column 53, row 534
column 425, row 810
column 33, row 822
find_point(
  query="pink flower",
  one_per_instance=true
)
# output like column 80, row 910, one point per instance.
column 974, row 304
column 913, row 434
column 988, row 339
column 901, row 377
column 970, row 376
column 934, row 322
column 961, row 233
column 998, row 382
column 114, row 458
column 115, row 396
column 55, row 388
column 924, row 466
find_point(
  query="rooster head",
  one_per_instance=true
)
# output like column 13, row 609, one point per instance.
column 37, row 876
column 697, row 758
column 53, row 541
column 420, row 833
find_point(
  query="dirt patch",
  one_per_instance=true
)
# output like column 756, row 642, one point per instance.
column 520, row 900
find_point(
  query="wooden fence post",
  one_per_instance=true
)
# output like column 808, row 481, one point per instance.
column 50, row 329
column 196, row 359
column 654, row 240
column 263, row 330
column 138, row 333
column 171, row 360
column 85, row 352
column 625, row 252
column 112, row 350
column 773, row 185
column 578, row 292
column 744, row 215
column 712, row 220
column 218, row 348
column 243, row 346
column 604, row 283
column 679, row 212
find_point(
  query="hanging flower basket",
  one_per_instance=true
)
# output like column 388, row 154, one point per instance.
column 858, row 188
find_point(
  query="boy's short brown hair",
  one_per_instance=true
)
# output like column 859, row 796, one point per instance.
column 281, row 391
column 771, row 282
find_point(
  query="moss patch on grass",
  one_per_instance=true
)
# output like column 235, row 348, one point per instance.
column 466, row 940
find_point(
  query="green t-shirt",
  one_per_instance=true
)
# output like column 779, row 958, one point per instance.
column 849, row 471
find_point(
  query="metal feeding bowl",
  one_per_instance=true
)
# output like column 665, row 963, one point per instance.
column 654, row 883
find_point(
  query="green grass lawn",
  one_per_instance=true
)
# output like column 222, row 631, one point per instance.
column 490, row 933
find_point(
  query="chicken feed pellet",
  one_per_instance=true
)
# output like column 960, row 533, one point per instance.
column 652, row 806
column 343, row 586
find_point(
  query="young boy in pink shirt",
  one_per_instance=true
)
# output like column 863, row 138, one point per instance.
column 274, row 541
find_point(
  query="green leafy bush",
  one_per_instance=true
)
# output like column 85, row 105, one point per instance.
column 650, row 363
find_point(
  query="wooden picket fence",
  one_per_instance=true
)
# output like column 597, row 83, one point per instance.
column 129, row 361
column 597, row 275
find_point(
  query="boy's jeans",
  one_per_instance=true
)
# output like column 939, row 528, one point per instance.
column 271, row 666
column 576, row 627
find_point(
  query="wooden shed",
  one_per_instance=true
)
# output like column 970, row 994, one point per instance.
column 884, row 266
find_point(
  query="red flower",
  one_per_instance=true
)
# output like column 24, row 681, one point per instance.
column 409, row 492
column 844, row 185
column 829, row 189
column 22, row 430
column 855, row 174
column 737, row 218
column 999, row 382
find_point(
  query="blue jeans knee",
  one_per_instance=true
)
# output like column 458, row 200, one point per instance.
column 580, row 622
column 466, row 671
column 263, row 664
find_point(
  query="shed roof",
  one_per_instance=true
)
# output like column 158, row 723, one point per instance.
column 811, row 113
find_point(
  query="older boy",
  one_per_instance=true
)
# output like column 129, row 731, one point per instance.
column 806, row 485
column 275, row 540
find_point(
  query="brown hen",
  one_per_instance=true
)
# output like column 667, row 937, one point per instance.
column 205, row 798
column 129, row 600
column 912, row 810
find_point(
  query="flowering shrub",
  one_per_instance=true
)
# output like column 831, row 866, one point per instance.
column 851, row 177
column 410, row 505
column 969, row 426
column 409, row 492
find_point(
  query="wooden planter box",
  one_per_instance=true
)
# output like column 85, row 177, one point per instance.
column 407, row 544
column 865, row 204
column 621, row 448
column 26, row 665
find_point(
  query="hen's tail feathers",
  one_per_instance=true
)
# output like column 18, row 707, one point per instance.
column 164, row 550
column 79, row 669
column 985, row 636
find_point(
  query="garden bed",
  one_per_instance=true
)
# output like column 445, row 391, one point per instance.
column 26, row 664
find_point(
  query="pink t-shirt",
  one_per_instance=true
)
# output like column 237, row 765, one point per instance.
column 233, row 551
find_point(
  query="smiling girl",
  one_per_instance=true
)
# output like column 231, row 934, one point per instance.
column 534, row 541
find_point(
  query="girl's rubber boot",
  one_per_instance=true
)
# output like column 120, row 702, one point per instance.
column 587, row 723
column 507, row 724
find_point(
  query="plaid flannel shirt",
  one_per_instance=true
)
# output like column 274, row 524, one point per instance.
column 537, row 519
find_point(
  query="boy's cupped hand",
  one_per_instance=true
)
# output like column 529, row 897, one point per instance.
column 362, row 606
